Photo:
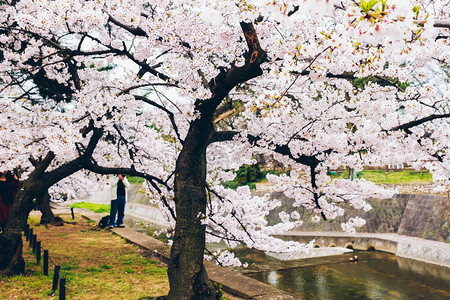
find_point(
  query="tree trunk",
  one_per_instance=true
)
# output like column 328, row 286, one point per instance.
column 11, row 261
column 187, row 274
column 44, row 206
column 38, row 183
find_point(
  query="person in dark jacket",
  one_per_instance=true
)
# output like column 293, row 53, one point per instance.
column 119, row 187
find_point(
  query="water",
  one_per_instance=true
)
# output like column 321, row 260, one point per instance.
column 375, row 275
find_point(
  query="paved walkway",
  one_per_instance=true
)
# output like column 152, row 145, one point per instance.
column 232, row 282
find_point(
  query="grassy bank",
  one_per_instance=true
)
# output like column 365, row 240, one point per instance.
column 95, row 207
column 392, row 177
column 96, row 264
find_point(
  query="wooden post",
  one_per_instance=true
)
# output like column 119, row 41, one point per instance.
column 56, row 278
column 71, row 210
column 30, row 234
column 45, row 262
column 33, row 242
column 26, row 231
column 62, row 289
column 38, row 252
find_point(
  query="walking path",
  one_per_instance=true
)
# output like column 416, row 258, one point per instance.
column 232, row 282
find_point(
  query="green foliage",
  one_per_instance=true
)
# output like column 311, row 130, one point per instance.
column 249, row 175
column 153, row 270
column 95, row 207
column 219, row 291
column 246, row 175
column 446, row 70
column 360, row 83
column 367, row 6
column 106, row 68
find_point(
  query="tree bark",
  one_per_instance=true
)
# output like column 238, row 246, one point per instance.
column 44, row 206
column 187, row 274
column 11, row 261
column 38, row 183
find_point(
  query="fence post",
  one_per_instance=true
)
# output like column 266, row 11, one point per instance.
column 71, row 210
column 26, row 231
column 45, row 262
column 38, row 252
column 56, row 278
column 30, row 234
column 62, row 289
column 33, row 242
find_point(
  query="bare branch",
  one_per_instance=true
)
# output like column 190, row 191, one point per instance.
column 168, row 112
column 126, row 91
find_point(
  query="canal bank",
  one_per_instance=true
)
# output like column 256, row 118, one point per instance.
column 432, row 252
column 231, row 282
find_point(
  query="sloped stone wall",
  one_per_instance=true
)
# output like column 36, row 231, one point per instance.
column 426, row 216
column 418, row 215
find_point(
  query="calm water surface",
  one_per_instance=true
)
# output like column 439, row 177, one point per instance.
column 376, row 275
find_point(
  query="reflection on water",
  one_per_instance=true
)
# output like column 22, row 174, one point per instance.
column 376, row 275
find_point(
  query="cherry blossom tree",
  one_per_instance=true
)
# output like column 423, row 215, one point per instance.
column 182, row 93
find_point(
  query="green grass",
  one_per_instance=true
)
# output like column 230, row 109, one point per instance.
column 132, row 179
column 393, row 177
column 124, row 274
column 95, row 207
column 249, row 175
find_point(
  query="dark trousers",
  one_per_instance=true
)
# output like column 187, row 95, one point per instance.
column 117, row 207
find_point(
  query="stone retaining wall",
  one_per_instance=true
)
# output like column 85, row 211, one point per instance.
column 418, row 215
column 426, row 216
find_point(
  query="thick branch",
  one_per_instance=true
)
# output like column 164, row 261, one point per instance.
column 311, row 161
column 133, row 30
column 442, row 24
column 411, row 124
column 223, row 136
column 93, row 167
column 77, row 164
column 42, row 164
column 227, row 79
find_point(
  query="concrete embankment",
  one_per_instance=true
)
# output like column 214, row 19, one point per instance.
column 433, row 252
